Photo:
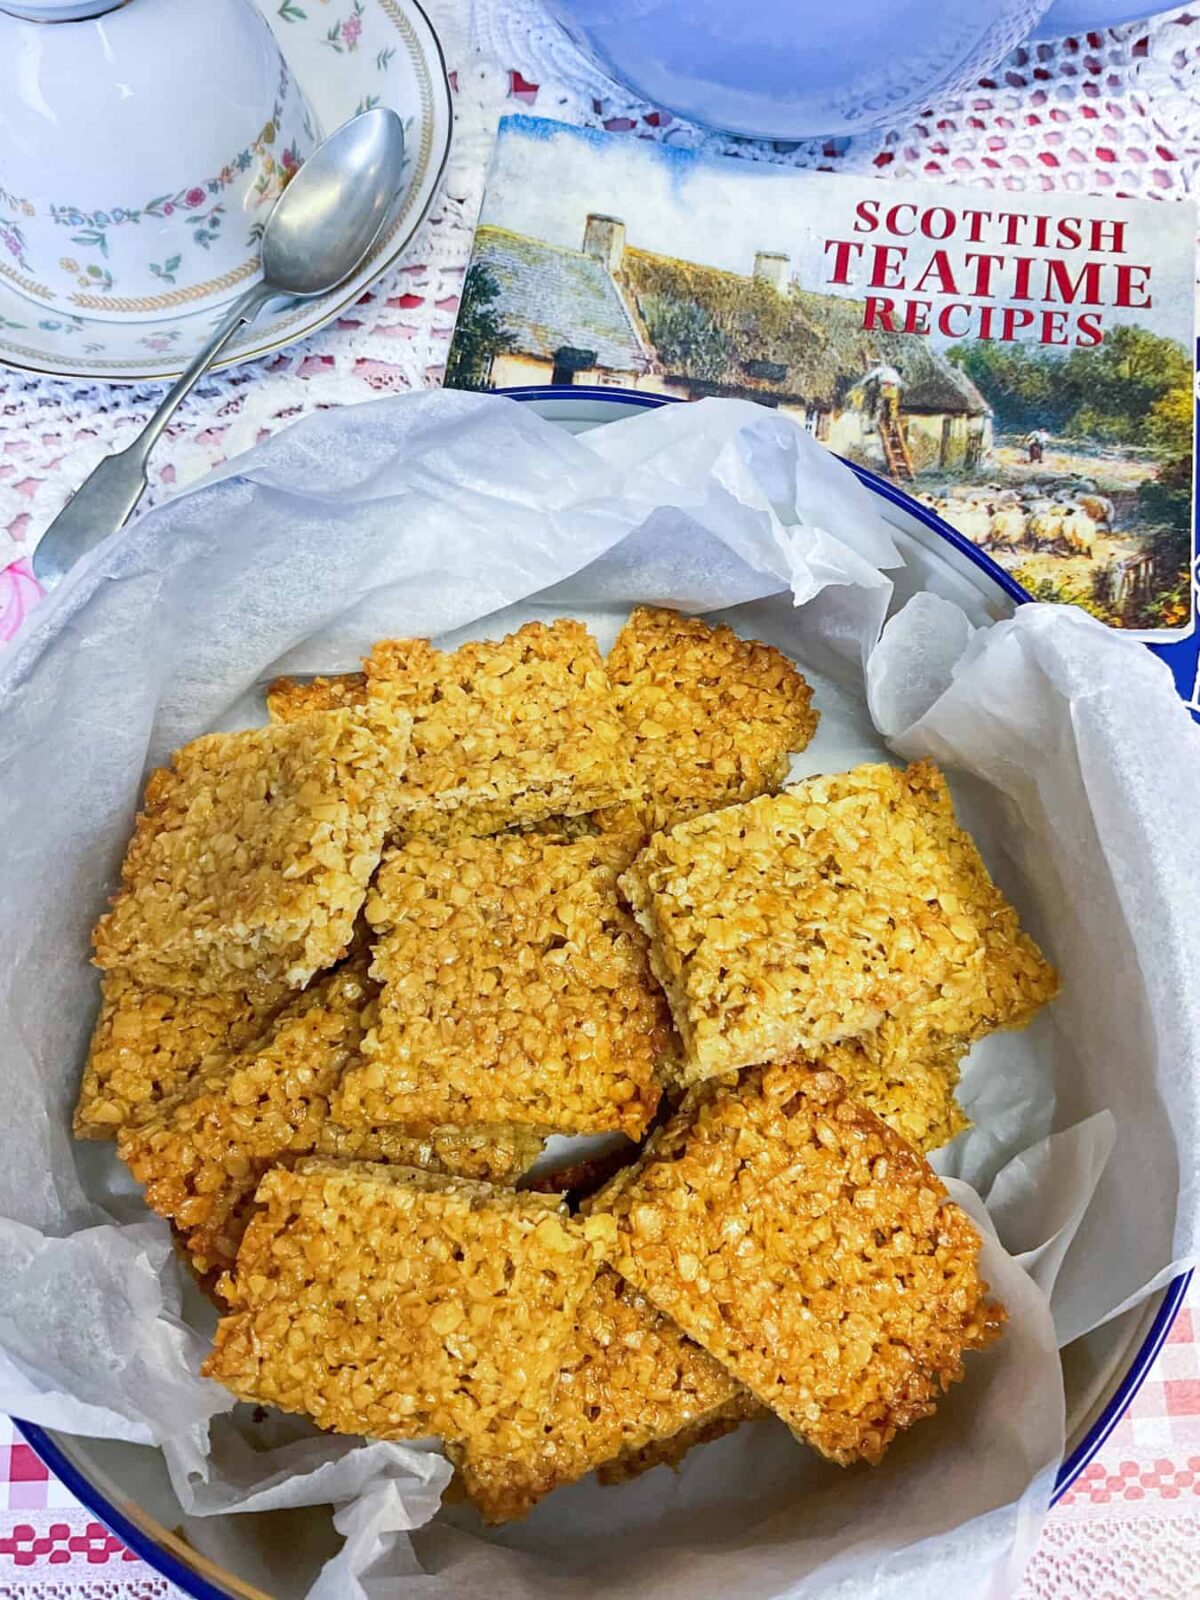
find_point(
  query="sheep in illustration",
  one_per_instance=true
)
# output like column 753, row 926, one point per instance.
column 1099, row 507
column 973, row 521
column 1008, row 526
column 1065, row 525
column 1045, row 527
column 1079, row 532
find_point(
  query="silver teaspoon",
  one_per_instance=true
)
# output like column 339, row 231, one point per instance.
column 322, row 226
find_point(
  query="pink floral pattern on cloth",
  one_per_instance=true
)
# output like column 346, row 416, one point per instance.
column 19, row 593
column 1111, row 112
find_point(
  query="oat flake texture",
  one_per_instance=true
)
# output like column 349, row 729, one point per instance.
column 515, row 988
column 802, row 919
column 810, row 1250
column 397, row 1303
column 252, row 853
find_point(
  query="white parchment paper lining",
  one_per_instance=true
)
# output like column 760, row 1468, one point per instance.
column 428, row 514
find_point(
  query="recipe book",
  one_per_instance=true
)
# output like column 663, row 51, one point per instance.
column 1020, row 362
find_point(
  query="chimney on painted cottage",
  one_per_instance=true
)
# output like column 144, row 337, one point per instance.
column 604, row 238
column 772, row 267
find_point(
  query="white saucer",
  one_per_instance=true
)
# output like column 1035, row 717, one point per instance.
column 348, row 55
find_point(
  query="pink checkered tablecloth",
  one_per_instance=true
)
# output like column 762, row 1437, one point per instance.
column 50, row 1545
column 1116, row 111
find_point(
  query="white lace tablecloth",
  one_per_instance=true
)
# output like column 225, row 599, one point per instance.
column 1117, row 112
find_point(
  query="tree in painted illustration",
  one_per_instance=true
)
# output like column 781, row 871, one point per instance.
column 479, row 334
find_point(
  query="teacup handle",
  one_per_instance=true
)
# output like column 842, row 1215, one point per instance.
column 106, row 497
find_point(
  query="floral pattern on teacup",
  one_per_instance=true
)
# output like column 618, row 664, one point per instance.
column 159, row 342
column 89, row 277
column 192, row 203
column 12, row 240
column 275, row 175
column 270, row 184
column 13, row 202
column 197, row 205
column 345, row 34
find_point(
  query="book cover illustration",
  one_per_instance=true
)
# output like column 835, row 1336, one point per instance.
column 1021, row 362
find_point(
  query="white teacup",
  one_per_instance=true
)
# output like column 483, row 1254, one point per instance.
column 141, row 145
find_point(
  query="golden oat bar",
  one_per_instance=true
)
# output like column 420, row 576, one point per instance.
column 903, row 1073
column 713, row 718
column 907, row 1078
column 630, row 1382
column 147, row 1043
column 252, row 855
column 670, row 1451
column 503, row 733
column 202, row 1153
column 398, row 1304
column 802, row 919
column 288, row 699
column 515, row 989
column 810, row 1250
column 494, row 1153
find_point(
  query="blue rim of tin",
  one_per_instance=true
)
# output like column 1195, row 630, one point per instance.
column 193, row 1583
column 138, row 1539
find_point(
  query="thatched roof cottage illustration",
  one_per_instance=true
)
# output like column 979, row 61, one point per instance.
column 615, row 315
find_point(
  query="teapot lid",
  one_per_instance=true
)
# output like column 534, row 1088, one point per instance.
column 59, row 10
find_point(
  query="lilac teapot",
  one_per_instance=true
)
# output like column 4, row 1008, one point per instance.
column 788, row 69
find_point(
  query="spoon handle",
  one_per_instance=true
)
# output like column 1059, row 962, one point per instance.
column 108, row 494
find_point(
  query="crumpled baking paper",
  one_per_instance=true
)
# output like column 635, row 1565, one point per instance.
column 451, row 514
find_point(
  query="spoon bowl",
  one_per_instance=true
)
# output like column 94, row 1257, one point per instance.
column 334, row 209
